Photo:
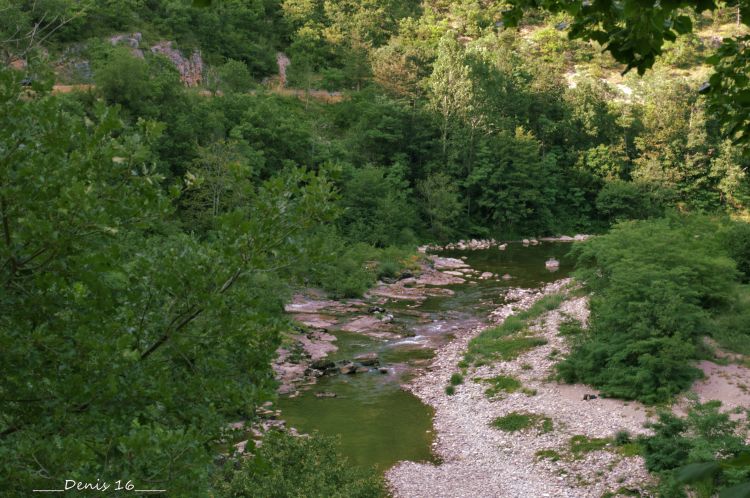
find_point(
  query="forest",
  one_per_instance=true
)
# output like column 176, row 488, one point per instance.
column 171, row 171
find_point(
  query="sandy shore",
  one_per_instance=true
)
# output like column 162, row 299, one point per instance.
column 482, row 461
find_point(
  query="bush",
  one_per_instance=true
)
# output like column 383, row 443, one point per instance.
column 622, row 438
column 348, row 270
column 699, row 449
column 620, row 200
column 457, row 379
column 141, row 86
column 378, row 206
column 235, row 77
column 289, row 466
column 738, row 243
column 655, row 284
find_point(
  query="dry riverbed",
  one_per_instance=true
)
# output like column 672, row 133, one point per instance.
column 479, row 460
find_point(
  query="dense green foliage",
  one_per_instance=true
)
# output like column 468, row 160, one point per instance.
column 452, row 125
column 125, row 341
column 704, row 452
column 656, row 285
column 636, row 32
column 285, row 466
column 151, row 232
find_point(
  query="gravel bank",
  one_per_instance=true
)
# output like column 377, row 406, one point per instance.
column 481, row 461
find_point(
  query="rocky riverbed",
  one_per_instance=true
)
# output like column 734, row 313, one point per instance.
column 359, row 389
column 479, row 460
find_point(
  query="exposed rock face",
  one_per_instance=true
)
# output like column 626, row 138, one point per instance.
column 132, row 40
column 190, row 69
column 282, row 61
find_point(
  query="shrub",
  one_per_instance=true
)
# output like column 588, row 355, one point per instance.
column 738, row 243
column 289, row 466
column 450, row 390
column 456, row 379
column 620, row 200
column 235, row 77
column 654, row 286
column 706, row 448
column 622, row 438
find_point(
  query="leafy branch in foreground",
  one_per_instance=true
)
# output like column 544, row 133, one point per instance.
column 127, row 346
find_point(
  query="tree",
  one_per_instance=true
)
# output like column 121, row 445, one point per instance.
column 441, row 204
column 220, row 181
column 655, row 284
column 235, row 76
column 451, row 91
column 286, row 466
column 635, row 32
column 127, row 347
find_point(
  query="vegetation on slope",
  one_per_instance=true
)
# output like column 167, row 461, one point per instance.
column 151, row 232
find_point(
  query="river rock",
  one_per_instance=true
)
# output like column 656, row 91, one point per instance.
column 447, row 263
column 333, row 371
column 526, row 242
column 506, row 276
column 348, row 368
column 360, row 370
column 502, row 247
column 552, row 264
column 325, row 394
column 405, row 274
column 367, row 359
column 322, row 364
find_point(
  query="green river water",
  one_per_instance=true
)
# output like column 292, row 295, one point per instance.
column 377, row 422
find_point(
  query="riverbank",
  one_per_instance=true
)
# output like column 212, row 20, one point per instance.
column 481, row 460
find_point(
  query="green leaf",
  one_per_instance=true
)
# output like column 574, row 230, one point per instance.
column 697, row 472
column 739, row 491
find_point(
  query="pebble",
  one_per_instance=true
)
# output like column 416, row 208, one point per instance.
column 478, row 460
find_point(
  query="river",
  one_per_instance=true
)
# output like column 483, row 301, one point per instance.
column 377, row 422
